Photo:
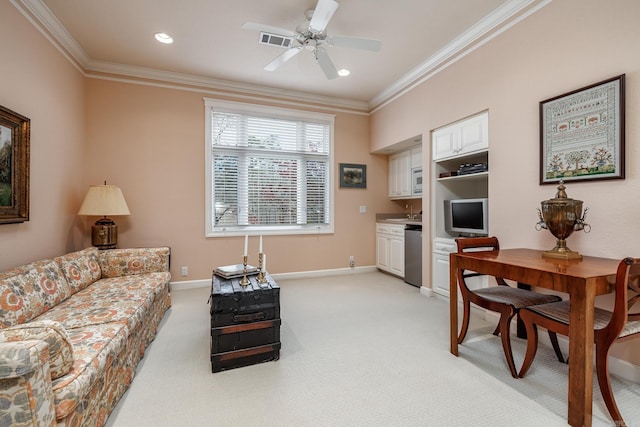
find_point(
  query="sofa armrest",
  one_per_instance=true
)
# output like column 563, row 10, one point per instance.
column 25, row 384
column 127, row 262
column 60, row 349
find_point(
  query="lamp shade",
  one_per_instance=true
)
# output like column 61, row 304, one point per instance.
column 104, row 200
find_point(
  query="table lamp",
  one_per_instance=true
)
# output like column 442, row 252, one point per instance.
column 104, row 200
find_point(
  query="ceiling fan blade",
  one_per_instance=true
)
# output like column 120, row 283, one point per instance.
column 252, row 26
column 356, row 43
column 326, row 64
column 281, row 59
column 322, row 15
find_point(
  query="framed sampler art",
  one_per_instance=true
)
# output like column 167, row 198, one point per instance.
column 582, row 133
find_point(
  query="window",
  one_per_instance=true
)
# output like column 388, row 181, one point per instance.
column 268, row 170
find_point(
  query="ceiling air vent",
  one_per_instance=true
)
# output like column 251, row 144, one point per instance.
column 275, row 40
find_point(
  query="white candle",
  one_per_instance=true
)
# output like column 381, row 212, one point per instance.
column 260, row 249
column 246, row 244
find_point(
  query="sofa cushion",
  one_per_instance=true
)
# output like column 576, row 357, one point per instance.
column 119, row 299
column 125, row 262
column 60, row 349
column 80, row 268
column 30, row 290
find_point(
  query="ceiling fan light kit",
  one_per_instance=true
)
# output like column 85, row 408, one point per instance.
column 311, row 36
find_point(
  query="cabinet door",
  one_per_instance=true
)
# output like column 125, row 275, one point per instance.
column 416, row 157
column 400, row 174
column 405, row 174
column 445, row 143
column 382, row 252
column 440, row 274
column 474, row 134
column 396, row 256
column 393, row 177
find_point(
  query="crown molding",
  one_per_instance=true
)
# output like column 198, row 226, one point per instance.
column 505, row 16
column 219, row 85
column 46, row 22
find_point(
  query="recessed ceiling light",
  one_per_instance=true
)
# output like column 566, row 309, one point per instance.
column 163, row 38
column 344, row 72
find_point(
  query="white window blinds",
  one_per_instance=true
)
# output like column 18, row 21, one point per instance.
column 268, row 169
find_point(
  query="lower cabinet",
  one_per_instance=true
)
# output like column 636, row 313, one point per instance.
column 390, row 248
column 442, row 247
column 440, row 265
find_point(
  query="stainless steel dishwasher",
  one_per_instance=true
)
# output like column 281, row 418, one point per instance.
column 413, row 255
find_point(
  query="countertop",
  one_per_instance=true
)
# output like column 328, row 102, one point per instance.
column 398, row 219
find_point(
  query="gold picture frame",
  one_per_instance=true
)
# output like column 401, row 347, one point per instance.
column 582, row 133
column 15, row 132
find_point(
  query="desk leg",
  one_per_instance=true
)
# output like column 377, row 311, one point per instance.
column 581, row 315
column 453, row 304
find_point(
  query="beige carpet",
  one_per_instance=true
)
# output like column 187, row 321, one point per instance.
column 357, row 350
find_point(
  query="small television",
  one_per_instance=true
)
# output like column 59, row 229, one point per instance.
column 466, row 216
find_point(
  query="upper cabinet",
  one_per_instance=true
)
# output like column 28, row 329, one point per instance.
column 403, row 168
column 461, row 138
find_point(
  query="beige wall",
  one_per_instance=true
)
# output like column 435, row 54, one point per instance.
column 566, row 45
column 39, row 83
column 150, row 142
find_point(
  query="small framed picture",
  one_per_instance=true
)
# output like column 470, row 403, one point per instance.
column 582, row 134
column 353, row 176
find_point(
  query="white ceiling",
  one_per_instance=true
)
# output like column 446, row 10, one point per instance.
column 116, row 36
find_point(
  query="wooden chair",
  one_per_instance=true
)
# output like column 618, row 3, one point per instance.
column 502, row 299
column 610, row 327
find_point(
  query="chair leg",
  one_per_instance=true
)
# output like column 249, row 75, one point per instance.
column 556, row 347
column 466, row 313
column 505, row 323
column 532, row 344
column 496, row 331
column 602, row 370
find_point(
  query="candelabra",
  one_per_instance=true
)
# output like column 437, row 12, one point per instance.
column 262, row 278
column 244, row 281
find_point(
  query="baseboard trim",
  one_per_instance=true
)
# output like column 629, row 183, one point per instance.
column 427, row 292
column 205, row 283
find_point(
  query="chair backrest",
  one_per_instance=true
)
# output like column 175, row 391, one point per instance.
column 627, row 295
column 476, row 244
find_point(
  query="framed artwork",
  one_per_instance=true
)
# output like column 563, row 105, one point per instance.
column 14, row 167
column 353, row 176
column 582, row 134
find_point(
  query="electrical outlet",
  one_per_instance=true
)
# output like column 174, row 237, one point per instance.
column 184, row 271
column 352, row 261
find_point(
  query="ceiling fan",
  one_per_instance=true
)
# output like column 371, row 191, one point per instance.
column 310, row 35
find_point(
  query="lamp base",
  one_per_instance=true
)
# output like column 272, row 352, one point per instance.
column 104, row 234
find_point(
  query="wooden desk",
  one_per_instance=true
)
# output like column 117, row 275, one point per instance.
column 581, row 279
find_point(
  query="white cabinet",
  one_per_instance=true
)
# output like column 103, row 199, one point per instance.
column 440, row 274
column 390, row 248
column 400, row 174
column 416, row 157
column 466, row 141
column 401, row 167
column 440, row 266
column 461, row 138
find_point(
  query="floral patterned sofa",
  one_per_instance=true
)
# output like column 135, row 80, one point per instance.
column 72, row 331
